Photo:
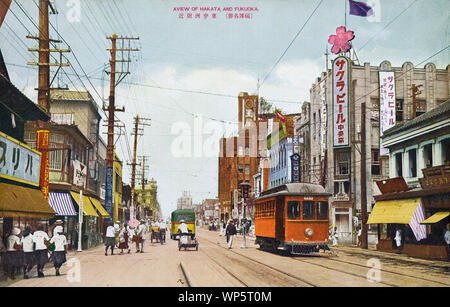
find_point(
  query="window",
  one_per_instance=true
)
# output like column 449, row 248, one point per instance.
column 428, row 155
column 55, row 157
column 412, row 155
column 399, row 164
column 308, row 210
column 265, row 209
column 445, row 152
column 293, row 210
column 375, row 162
column 240, row 168
column 342, row 163
column 399, row 111
column 421, row 107
column 247, row 169
column 247, row 151
column 314, row 126
column 322, row 210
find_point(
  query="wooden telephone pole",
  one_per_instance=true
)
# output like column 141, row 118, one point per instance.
column 138, row 130
column 112, row 109
column 364, row 240
column 43, row 128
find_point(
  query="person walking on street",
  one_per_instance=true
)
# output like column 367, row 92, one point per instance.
column 230, row 232
column 123, row 239
column 41, row 239
column 14, row 254
column 141, row 232
column 28, row 251
column 398, row 239
column 110, row 239
column 162, row 230
column 59, row 254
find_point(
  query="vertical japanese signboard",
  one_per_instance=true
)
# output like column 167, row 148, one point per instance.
column 109, row 192
column 42, row 143
column 18, row 162
column 387, row 105
column 340, row 102
column 295, row 168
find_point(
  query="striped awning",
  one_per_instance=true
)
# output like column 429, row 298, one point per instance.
column 61, row 202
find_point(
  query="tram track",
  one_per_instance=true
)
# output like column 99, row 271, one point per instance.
column 388, row 271
column 308, row 283
column 327, row 267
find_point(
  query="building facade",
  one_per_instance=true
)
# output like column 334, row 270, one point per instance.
column 339, row 168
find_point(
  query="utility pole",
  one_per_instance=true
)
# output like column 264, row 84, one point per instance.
column 43, row 128
column 415, row 93
column 364, row 243
column 138, row 122
column 112, row 109
column 144, row 168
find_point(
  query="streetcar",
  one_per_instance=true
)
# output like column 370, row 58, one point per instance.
column 292, row 218
column 188, row 216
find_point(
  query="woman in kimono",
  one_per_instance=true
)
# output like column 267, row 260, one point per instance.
column 123, row 239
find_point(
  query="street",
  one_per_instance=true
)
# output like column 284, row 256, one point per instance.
column 214, row 265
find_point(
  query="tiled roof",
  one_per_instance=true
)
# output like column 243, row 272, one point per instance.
column 69, row 95
column 434, row 115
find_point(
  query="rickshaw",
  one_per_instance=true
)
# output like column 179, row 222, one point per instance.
column 188, row 216
column 187, row 241
column 157, row 235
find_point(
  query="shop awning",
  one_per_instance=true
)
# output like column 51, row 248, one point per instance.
column 438, row 216
column 19, row 201
column 87, row 206
column 99, row 207
column 62, row 203
column 399, row 211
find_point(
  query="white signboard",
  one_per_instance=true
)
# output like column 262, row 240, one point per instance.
column 387, row 105
column 323, row 120
column 19, row 162
column 79, row 173
column 340, row 102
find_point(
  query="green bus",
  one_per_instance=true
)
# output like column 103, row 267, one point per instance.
column 188, row 215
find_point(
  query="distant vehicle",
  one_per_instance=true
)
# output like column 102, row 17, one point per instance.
column 188, row 216
column 293, row 218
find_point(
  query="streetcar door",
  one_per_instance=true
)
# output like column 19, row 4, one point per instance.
column 279, row 222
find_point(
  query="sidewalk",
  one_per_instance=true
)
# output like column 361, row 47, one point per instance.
column 371, row 252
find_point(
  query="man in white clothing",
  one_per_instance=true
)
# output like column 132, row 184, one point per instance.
column 40, row 238
column 110, row 240
column 141, row 232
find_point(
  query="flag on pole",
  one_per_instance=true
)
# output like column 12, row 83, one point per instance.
column 419, row 230
column 280, row 116
column 360, row 9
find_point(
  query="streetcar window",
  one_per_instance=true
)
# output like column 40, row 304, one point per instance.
column 293, row 208
column 308, row 210
column 322, row 210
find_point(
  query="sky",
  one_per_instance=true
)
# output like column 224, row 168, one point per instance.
column 189, row 71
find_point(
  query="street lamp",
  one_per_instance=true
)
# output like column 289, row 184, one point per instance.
column 245, row 189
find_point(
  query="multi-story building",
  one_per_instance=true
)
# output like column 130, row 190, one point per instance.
column 185, row 201
column 208, row 209
column 301, row 132
column 146, row 199
column 418, row 192
column 239, row 156
column 339, row 168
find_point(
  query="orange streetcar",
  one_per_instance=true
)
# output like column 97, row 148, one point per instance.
column 292, row 217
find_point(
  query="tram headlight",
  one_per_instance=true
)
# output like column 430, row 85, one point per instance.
column 309, row 232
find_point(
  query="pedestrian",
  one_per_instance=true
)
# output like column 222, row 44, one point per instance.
column 60, row 252
column 110, row 239
column 230, row 232
column 398, row 238
column 162, row 230
column 14, row 254
column 123, row 239
column 447, row 240
column 28, row 251
column 359, row 236
column 141, row 232
column 41, row 240
column 56, row 224
column 335, row 236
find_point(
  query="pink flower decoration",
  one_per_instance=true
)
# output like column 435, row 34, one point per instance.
column 341, row 41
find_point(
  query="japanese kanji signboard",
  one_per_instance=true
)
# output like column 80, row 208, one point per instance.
column 42, row 144
column 387, row 105
column 18, row 162
column 340, row 102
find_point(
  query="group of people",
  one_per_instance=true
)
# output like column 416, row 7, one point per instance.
column 127, row 234
column 27, row 248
